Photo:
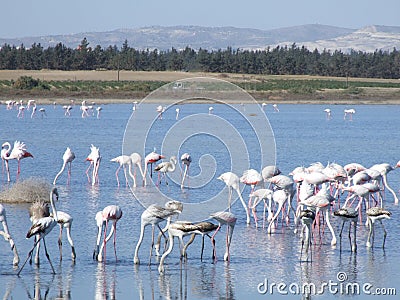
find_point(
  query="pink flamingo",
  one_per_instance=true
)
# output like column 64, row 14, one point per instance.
column 251, row 177
column 94, row 157
column 18, row 152
column 151, row 158
column 68, row 157
column 109, row 213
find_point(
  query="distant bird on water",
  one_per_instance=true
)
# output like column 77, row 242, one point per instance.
column 349, row 112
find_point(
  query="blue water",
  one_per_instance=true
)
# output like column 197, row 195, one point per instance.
column 297, row 135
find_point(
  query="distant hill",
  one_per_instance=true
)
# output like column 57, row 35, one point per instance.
column 312, row 36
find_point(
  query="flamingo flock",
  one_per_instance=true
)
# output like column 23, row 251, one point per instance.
column 317, row 191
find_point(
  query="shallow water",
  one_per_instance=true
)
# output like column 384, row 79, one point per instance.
column 302, row 136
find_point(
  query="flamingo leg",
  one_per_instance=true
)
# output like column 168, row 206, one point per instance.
column 60, row 241
column 29, row 256
column 48, row 256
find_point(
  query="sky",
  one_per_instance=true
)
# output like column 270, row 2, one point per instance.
column 23, row 18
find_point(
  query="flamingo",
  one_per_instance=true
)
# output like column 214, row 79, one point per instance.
column 251, row 177
column 67, row 110
column 5, row 152
column 328, row 113
column 177, row 229
column 263, row 105
column 64, row 220
column 376, row 214
column 307, row 218
column 160, row 109
column 136, row 160
column 384, row 169
column 134, row 106
column 153, row 215
column 269, row 172
column 349, row 112
column 109, row 213
column 261, row 194
column 224, row 218
column 348, row 214
column 280, row 197
column 42, row 111
column 165, row 167
column 38, row 210
column 33, row 114
column 31, row 102
column 68, row 157
column 7, row 236
column 85, row 110
column 94, row 157
column 321, row 202
column 98, row 109
column 151, row 158
column 203, row 229
column 21, row 110
column 232, row 182
column 18, row 152
column 41, row 228
column 180, row 229
column 124, row 161
column 186, row 160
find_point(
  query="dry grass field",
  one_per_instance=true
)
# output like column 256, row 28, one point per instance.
column 369, row 95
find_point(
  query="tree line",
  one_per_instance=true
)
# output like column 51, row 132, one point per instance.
column 293, row 60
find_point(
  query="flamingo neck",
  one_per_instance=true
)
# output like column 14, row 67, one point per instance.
column 53, row 207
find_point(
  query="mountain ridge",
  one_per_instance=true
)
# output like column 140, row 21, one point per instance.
column 312, row 36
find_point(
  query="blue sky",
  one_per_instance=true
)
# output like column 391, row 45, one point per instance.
column 22, row 18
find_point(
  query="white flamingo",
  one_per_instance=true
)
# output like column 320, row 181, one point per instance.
column 68, row 157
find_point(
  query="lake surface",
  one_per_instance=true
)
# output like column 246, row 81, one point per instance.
column 232, row 138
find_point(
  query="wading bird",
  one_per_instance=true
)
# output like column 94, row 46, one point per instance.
column 186, row 160
column 376, row 214
column 41, row 228
column 232, row 182
column 154, row 215
column 109, row 213
column 166, row 167
column 6, row 234
column 18, row 152
column 68, row 157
